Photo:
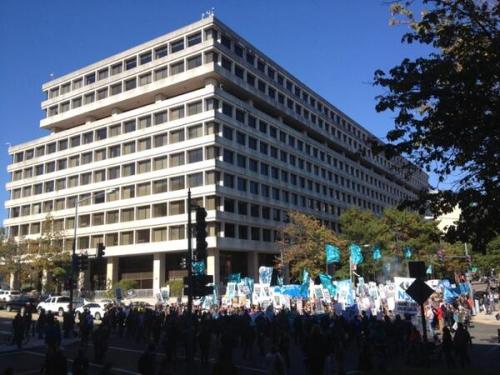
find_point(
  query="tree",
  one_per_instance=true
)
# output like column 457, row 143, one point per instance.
column 446, row 106
column 304, row 239
column 392, row 231
column 490, row 259
column 11, row 260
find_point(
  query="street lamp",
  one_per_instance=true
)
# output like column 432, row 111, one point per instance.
column 73, row 253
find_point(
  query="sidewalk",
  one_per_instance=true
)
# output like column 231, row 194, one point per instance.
column 486, row 319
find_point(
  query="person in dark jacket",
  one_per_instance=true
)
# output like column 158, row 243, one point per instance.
column 147, row 361
column 18, row 328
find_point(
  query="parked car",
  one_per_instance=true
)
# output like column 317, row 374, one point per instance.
column 95, row 309
column 21, row 303
column 8, row 295
column 55, row 304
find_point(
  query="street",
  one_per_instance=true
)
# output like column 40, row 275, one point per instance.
column 123, row 355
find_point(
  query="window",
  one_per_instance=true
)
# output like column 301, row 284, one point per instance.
column 126, row 238
column 145, row 57
column 99, row 176
column 98, row 219
column 143, row 189
column 111, row 239
column 159, row 234
column 177, row 68
column 116, row 69
column 177, row 136
column 144, row 144
column 51, row 148
column 160, row 163
column 227, row 132
column 128, row 192
column 113, row 173
column 229, row 230
column 176, row 113
column 161, row 73
column 101, row 134
column 160, row 186
column 127, row 215
column 176, row 208
column 195, row 179
column 161, row 51
column 130, row 84
column 160, row 117
column 116, row 89
column 160, row 210
column 195, row 156
column 89, row 98
column 227, row 109
column 194, row 62
column 83, row 221
column 102, row 74
column 90, row 78
column 77, row 83
column 115, row 130
column 142, row 236
column 176, row 232
column 228, row 156
column 128, row 170
column 195, row 131
column 130, row 63
column 194, row 108
column 194, row 39
column 72, row 181
column 129, row 126
column 176, row 183
column 112, row 217
column 177, row 159
column 144, row 122
column 76, row 102
column 145, row 79
column 87, row 138
column 100, row 155
column 177, row 45
column 211, row 128
column 83, row 243
column 212, row 152
column 212, row 177
column 143, row 213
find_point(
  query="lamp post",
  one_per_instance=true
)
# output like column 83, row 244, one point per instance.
column 73, row 251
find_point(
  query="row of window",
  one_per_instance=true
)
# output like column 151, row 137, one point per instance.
column 157, row 234
column 290, row 142
column 130, row 83
column 130, row 63
column 124, row 192
column 128, row 126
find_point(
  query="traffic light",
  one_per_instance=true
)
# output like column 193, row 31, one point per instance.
column 83, row 262
column 183, row 263
column 201, row 234
column 100, row 250
column 200, row 285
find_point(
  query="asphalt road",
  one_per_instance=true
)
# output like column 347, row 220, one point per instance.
column 124, row 354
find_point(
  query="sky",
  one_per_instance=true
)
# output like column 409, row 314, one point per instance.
column 333, row 46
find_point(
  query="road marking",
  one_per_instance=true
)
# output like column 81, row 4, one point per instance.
column 90, row 364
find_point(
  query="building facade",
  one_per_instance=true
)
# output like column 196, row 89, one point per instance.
column 198, row 108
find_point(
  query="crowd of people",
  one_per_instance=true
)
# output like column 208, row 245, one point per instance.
column 254, row 335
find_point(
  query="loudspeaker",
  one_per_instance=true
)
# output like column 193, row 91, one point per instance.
column 417, row 269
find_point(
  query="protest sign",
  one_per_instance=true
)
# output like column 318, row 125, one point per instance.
column 401, row 284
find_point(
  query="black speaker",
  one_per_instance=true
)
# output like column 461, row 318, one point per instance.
column 417, row 269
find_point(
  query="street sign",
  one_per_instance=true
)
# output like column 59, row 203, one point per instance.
column 419, row 291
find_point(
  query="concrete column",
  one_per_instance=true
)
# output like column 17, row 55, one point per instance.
column 13, row 280
column 111, row 271
column 213, row 264
column 253, row 264
column 45, row 278
column 158, row 271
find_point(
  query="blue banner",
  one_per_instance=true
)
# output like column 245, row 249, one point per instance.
column 234, row 277
column 429, row 270
column 249, row 283
column 356, row 254
column 407, row 252
column 265, row 274
column 332, row 254
column 326, row 281
column 377, row 252
column 292, row 290
column 304, row 287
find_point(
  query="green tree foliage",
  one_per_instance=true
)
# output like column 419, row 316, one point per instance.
column 446, row 110
column 304, row 239
column 490, row 259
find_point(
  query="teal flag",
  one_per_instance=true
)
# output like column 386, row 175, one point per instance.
column 234, row 277
column 304, row 286
column 407, row 252
column 356, row 254
column 377, row 253
column 332, row 254
column 326, row 281
column 429, row 270
column 199, row 268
